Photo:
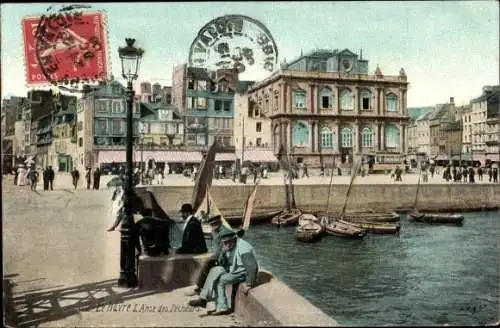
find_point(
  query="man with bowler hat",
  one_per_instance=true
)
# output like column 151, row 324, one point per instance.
column 218, row 229
column 193, row 240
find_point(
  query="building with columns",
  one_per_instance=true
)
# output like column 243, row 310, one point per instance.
column 325, row 108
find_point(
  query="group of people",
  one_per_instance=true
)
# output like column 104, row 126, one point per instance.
column 96, row 175
column 467, row 174
column 29, row 175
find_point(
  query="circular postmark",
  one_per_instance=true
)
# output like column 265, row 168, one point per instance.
column 234, row 41
column 70, row 46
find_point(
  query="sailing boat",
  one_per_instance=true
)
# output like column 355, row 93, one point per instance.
column 437, row 218
column 290, row 216
column 336, row 226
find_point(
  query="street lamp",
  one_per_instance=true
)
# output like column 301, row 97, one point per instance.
column 130, row 57
column 141, row 131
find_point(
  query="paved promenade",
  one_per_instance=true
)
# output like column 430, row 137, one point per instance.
column 61, row 267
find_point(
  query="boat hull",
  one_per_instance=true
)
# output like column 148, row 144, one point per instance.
column 256, row 219
column 370, row 216
column 309, row 232
column 287, row 217
column 343, row 229
column 378, row 228
column 436, row 218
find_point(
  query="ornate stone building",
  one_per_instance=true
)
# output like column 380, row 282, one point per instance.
column 326, row 108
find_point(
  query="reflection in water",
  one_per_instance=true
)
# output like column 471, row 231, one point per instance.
column 425, row 276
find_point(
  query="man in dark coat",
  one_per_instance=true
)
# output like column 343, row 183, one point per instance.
column 88, row 176
column 51, row 175
column 97, row 178
column 76, row 176
column 193, row 240
column 46, row 179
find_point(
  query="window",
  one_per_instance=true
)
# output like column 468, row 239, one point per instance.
column 201, row 102
column 258, row 142
column 346, row 100
column 258, row 127
column 191, row 102
column 366, row 97
column 326, row 98
column 80, row 142
column 299, row 98
column 367, row 137
column 276, row 102
column 392, row 102
column 218, row 105
column 117, row 106
column 326, row 137
column 346, row 137
column 100, row 126
column 102, row 106
column 191, row 84
column 200, row 139
column 391, row 135
column 266, row 105
column 118, row 126
column 227, row 106
column 300, row 134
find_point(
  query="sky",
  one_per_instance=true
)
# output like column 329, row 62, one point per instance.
column 448, row 49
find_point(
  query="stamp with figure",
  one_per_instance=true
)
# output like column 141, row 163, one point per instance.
column 65, row 47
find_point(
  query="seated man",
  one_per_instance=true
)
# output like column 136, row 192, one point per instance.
column 193, row 240
column 218, row 229
column 238, row 265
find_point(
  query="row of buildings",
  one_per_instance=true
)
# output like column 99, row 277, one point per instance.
column 324, row 107
column 447, row 132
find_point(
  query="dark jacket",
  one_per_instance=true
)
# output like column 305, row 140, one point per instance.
column 50, row 174
column 193, row 240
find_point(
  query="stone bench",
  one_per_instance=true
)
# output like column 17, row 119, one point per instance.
column 171, row 271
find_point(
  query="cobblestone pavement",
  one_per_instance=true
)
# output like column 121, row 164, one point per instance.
column 60, row 263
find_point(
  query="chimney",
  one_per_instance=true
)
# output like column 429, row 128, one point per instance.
column 452, row 100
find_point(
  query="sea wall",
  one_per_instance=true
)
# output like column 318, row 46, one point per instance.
column 380, row 197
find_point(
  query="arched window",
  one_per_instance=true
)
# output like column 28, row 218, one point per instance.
column 326, row 137
column 300, row 134
column 366, row 99
column 346, row 135
column 326, row 98
column 346, row 99
column 80, row 142
column 367, row 137
column 391, row 135
column 392, row 102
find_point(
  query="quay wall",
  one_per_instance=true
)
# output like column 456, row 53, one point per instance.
column 380, row 197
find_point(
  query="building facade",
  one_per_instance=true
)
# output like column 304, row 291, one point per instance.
column 161, row 126
column 207, row 103
column 252, row 129
column 325, row 108
column 419, row 144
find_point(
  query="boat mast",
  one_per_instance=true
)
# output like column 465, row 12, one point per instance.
column 353, row 177
column 329, row 192
column 418, row 186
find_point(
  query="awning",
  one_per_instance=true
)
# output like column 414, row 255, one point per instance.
column 464, row 157
column 260, row 156
column 225, row 157
column 441, row 157
column 118, row 156
column 493, row 157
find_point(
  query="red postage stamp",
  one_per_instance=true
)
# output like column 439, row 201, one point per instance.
column 65, row 48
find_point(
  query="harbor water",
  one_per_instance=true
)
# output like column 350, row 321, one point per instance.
column 426, row 275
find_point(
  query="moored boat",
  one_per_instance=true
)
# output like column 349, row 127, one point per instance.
column 287, row 217
column 256, row 219
column 309, row 231
column 439, row 218
column 306, row 218
column 377, row 227
column 343, row 229
column 369, row 216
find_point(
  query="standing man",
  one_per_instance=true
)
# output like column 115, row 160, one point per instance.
column 480, row 173
column 233, row 171
column 97, row 178
column 88, row 177
column 33, row 177
column 76, row 176
column 239, row 264
column 51, row 175
column 46, row 179
column 193, row 240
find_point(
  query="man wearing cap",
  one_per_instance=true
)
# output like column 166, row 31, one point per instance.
column 193, row 240
column 239, row 265
column 218, row 228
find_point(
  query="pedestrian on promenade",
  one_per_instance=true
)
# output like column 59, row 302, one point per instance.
column 495, row 173
column 33, row 177
column 195, row 171
column 97, row 178
column 51, row 175
column 480, row 173
column 233, row 172
column 243, row 175
column 88, row 177
column 425, row 176
column 46, row 179
column 193, row 240
column 465, row 173
column 432, row 170
column 490, row 173
column 306, row 172
column 16, row 176
column 75, row 175
column 239, row 265
column 471, row 175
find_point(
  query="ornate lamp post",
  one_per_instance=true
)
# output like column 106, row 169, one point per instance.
column 141, row 136
column 130, row 57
